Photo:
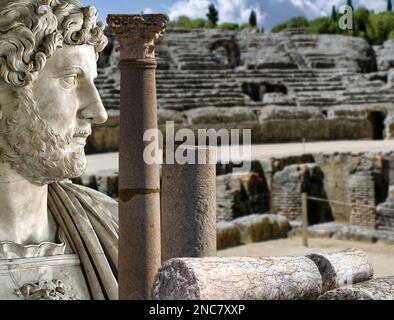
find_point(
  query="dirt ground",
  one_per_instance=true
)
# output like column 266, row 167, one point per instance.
column 380, row 254
column 109, row 161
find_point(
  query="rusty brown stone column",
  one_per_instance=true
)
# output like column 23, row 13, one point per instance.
column 139, row 183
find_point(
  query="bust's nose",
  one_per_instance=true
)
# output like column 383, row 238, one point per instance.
column 92, row 106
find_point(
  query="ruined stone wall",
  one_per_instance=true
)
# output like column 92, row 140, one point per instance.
column 287, row 189
column 361, row 189
column 274, row 185
column 241, row 194
column 385, row 213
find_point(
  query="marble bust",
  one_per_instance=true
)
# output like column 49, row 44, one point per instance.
column 57, row 240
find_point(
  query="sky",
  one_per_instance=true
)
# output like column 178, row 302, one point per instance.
column 269, row 12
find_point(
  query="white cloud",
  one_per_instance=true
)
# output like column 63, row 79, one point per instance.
column 148, row 10
column 377, row 5
column 192, row 8
column 236, row 11
column 314, row 8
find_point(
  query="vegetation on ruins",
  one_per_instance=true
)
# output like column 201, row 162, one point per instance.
column 253, row 19
column 187, row 23
column 212, row 15
column 334, row 14
column 374, row 27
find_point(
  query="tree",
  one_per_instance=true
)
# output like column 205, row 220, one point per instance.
column 228, row 26
column 361, row 17
column 253, row 19
column 380, row 26
column 212, row 15
column 389, row 5
column 350, row 3
column 374, row 27
column 334, row 14
column 296, row 22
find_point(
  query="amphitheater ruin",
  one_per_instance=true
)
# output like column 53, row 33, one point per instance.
column 288, row 87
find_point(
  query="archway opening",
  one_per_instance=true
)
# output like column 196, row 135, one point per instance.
column 257, row 90
column 377, row 119
column 227, row 52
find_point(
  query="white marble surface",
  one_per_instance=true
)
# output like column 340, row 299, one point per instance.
column 14, row 274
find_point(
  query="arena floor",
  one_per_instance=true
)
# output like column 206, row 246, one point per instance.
column 380, row 254
column 109, row 161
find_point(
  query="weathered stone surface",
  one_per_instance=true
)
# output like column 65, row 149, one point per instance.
column 279, row 226
column 296, row 113
column 324, row 230
column 227, row 235
column 168, row 115
column 287, row 187
column 341, row 268
column 253, row 228
column 385, row 212
column 278, row 278
column 240, row 194
column 188, row 206
column 261, row 227
column 356, row 233
column 362, row 193
column 358, row 179
column 376, row 289
column 220, row 115
column 238, row 279
column 385, row 55
column 343, row 231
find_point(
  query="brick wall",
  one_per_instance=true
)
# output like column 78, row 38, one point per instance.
column 361, row 190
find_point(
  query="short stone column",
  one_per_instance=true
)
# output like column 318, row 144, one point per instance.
column 376, row 289
column 264, row 278
column 139, row 182
column 188, row 221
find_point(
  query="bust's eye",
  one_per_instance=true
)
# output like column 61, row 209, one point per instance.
column 69, row 81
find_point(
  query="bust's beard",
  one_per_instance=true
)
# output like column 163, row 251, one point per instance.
column 34, row 150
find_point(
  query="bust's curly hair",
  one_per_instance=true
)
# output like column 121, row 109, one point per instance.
column 32, row 30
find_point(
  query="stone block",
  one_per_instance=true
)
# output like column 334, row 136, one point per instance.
column 241, row 194
column 228, row 235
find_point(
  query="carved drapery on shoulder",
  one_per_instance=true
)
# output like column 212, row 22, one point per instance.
column 137, row 34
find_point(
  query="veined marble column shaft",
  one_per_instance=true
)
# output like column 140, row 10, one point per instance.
column 139, row 183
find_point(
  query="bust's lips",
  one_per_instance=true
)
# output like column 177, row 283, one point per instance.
column 80, row 137
column 82, row 134
column 85, row 136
